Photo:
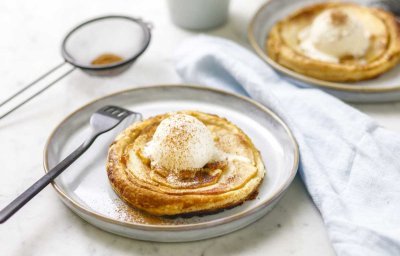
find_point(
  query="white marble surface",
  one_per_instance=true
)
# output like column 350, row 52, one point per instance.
column 29, row 45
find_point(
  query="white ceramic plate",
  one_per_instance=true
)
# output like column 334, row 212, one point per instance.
column 85, row 188
column 385, row 88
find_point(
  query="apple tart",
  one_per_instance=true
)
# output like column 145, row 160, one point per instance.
column 336, row 41
column 183, row 164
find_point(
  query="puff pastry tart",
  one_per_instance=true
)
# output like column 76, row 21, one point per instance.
column 340, row 42
column 183, row 164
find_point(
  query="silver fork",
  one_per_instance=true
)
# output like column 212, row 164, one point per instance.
column 102, row 121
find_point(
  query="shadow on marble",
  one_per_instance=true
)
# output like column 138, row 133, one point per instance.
column 378, row 109
column 276, row 228
column 239, row 242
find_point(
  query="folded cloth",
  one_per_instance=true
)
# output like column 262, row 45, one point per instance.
column 349, row 164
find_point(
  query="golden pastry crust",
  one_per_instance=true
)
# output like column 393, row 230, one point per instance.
column 282, row 44
column 217, row 186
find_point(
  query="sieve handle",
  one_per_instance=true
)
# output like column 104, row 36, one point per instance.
column 31, row 85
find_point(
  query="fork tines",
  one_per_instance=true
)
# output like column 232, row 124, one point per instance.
column 114, row 111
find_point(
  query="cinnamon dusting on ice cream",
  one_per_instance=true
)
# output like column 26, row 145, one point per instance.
column 338, row 18
column 181, row 143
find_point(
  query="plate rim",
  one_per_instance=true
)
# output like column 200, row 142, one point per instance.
column 303, row 78
column 181, row 227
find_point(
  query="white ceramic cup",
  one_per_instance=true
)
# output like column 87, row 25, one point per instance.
column 198, row 14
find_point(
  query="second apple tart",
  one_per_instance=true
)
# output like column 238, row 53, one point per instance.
column 335, row 41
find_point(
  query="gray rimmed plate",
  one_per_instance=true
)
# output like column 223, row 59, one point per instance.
column 384, row 88
column 85, row 188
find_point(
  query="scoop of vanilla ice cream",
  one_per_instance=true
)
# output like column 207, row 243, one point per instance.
column 181, row 142
column 334, row 34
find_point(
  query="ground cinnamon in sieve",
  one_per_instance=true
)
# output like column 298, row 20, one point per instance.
column 106, row 58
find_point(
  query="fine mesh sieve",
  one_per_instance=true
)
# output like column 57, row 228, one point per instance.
column 116, row 36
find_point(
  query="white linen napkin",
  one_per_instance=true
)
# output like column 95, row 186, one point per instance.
column 349, row 164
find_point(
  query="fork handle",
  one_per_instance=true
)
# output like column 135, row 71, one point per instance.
column 33, row 190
